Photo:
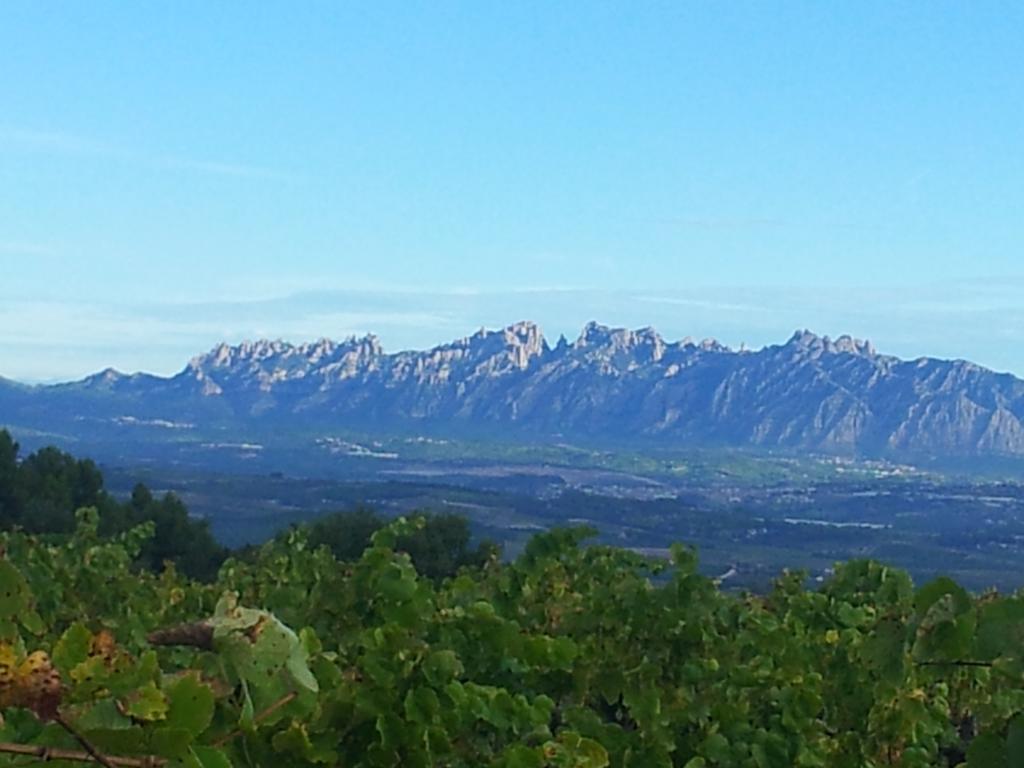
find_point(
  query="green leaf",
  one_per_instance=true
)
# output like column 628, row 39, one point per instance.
column 883, row 650
column 391, row 730
column 229, row 616
column 987, row 751
column 440, row 667
column 33, row 622
column 1000, row 629
column 247, row 717
column 590, row 754
column 14, row 593
column 577, row 751
column 295, row 741
column 520, row 756
column 298, row 667
column 397, row 586
column 103, row 715
column 170, row 742
column 310, row 641
column 206, row 757
column 716, row 747
column 944, row 633
column 684, row 559
column 644, row 704
column 191, row 704
column 422, row 705
column 850, row 616
column 1015, row 743
column 72, row 648
column 934, row 590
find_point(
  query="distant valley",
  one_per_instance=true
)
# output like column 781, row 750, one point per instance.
column 799, row 454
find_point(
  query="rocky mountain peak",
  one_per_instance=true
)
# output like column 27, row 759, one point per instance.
column 596, row 334
column 228, row 356
column 526, row 340
column 804, row 339
column 808, row 342
column 854, row 346
column 619, row 348
column 337, row 362
column 593, row 333
column 318, row 350
column 263, row 353
column 108, row 377
column 366, row 346
column 513, row 347
column 609, row 384
column 713, row 345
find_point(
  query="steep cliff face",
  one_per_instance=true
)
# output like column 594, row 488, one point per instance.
column 811, row 393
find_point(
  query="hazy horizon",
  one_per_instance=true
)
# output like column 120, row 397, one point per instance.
column 160, row 339
column 174, row 176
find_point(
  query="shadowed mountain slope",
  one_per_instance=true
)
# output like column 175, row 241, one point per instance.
column 810, row 394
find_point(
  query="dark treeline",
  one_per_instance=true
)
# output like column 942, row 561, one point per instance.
column 438, row 549
column 39, row 493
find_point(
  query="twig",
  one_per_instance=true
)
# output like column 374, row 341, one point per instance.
column 44, row 754
column 102, row 760
column 260, row 717
column 959, row 663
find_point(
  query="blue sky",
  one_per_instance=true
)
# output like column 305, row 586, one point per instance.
column 174, row 174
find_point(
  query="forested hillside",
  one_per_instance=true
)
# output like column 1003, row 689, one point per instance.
column 41, row 493
column 569, row 656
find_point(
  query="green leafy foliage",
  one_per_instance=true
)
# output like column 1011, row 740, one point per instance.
column 572, row 655
column 438, row 548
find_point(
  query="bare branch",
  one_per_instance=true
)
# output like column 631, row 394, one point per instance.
column 45, row 754
column 198, row 634
column 260, row 717
column 89, row 748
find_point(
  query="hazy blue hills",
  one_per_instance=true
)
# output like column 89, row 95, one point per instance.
column 812, row 393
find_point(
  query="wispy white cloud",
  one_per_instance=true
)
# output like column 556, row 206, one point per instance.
column 723, row 306
column 50, row 141
column 56, row 142
column 257, row 290
column 40, row 323
column 725, row 222
column 339, row 325
column 19, row 248
column 51, row 340
column 238, row 170
column 61, row 340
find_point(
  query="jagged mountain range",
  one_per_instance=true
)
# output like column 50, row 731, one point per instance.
column 811, row 393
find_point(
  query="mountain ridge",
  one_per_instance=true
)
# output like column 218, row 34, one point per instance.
column 811, row 393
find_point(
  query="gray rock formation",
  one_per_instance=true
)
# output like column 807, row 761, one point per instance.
column 612, row 384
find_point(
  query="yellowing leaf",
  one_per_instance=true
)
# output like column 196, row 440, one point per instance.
column 147, row 703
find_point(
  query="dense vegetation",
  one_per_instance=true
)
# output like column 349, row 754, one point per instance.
column 438, row 548
column 40, row 494
column 568, row 656
column 356, row 642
